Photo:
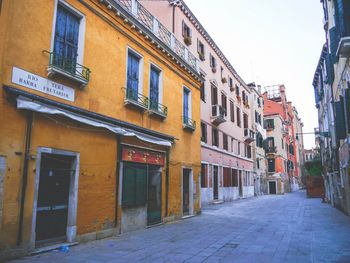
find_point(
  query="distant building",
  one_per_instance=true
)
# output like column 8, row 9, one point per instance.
column 282, row 143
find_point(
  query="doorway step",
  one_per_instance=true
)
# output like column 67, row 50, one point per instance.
column 48, row 248
column 217, row 202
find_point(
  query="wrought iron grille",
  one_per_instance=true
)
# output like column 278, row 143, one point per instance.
column 159, row 108
column 68, row 66
column 134, row 96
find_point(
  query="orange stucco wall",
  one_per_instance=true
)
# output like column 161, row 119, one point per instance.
column 105, row 53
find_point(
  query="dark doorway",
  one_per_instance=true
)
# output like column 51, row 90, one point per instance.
column 216, row 182
column 240, row 178
column 186, row 192
column 53, row 196
column 154, row 205
column 272, row 188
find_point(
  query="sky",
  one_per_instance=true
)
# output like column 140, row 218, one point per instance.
column 270, row 42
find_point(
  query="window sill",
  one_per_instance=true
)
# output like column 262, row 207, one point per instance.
column 52, row 70
column 133, row 103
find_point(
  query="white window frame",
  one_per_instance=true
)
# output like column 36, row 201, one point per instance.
column 81, row 35
column 189, row 101
column 160, row 86
column 139, row 88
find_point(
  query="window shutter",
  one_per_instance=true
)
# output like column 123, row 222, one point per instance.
column 183, row 28
column 347, row 100
column 334, row 40
column 340, row 119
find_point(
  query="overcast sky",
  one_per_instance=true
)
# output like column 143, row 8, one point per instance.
column 270, row 42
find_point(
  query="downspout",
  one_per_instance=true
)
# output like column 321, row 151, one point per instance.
column 167, row 182
column 25, row 175
column 174, row 6
column 117, row 176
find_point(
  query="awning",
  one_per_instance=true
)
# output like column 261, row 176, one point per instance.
column 33, row 105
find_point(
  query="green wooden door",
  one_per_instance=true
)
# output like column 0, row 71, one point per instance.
column 154, row 206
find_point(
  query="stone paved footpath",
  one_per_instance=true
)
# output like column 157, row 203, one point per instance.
column 288, row 228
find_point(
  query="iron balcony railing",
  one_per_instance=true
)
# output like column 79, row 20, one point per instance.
column 135, row 98
column 134, row 8
column 158, row 108
column 69, row 66
column 189, row 123
column 271, row 149
column 218, row 111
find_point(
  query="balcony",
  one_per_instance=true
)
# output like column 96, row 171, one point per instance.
column 150, row 24
column 188, row 124
column 218, row 114
column 284, row 131
column 271, row 150
column 135, row 99
column 249, row 135
column 158, row 109
column 58, row 64
column 344, row 47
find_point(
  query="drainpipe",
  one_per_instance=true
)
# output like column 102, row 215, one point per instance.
column 174, row 6
column 117, row 176
column 167, row 182
column 25, row 175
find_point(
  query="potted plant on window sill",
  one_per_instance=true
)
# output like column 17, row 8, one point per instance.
column 201, row 56
column 213, row 69
column 239, row 98
column 188, row 40
column 232, row 89
column 223, row 80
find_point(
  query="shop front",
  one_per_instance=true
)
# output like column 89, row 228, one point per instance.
column 141, row 180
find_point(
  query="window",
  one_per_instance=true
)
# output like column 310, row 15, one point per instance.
column 204, row 132
column 204, row 175
column 186, row 30
column 269, row 124
column 134, row 185
column 224, row 103
column 245, row 120
column 133, row 75
column 249, row 151
column 227, row 177
column 237, row 91
column 187, row 110
column 214, row 95
column 65, row 45
column 230, row 82
column 243, row 96
column 215, row 137
column 270, row 142
column 154, row 88
column 232, row 111
column 201, row 50
column 212, row 61
column 225, row 141
column 271, row 165
column 282, row 143
column 258, row 163
column 239, row 148
column 234, row 173
column 238, row 117
column 202, row 91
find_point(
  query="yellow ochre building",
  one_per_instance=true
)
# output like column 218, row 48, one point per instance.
column 99, row 110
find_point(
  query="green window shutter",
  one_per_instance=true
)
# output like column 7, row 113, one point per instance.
column 340, row 119
column 140, row 187
column 128, row 196
column 134, row 190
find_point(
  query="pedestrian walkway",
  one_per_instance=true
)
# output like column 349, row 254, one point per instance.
column 283, row 228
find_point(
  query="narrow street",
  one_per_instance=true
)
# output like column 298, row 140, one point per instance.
column 281, row 228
